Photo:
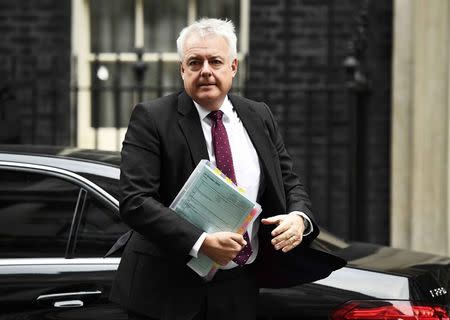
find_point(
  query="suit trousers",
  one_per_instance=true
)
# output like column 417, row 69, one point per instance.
column 232, row 294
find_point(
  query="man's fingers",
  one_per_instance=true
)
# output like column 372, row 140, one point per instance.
column 222, row 247
column 283, row 227
column 282, row 237
column 289, row 243
column 272, row 220
column 293, row 243
column 288, row 234
column 283, row 224
column 239, row 239
column 291, row 246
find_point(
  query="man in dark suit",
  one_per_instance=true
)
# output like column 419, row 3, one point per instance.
column 166, row 139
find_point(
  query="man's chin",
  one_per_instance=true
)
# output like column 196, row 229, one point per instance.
column 210, row 101
column 208, row 91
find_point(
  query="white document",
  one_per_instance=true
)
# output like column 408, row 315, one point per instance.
column 213, row 203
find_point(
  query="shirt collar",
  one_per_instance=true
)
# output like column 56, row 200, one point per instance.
column 226, row 108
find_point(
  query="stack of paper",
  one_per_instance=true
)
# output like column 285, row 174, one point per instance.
column 213, row 203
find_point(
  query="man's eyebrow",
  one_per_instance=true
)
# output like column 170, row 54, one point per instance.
column 195, row 56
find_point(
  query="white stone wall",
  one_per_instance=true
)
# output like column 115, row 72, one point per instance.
column 421, row 126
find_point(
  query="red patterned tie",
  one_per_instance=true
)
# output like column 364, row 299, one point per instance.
column 224, row 161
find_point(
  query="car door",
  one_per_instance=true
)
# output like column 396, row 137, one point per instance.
column 44, row 273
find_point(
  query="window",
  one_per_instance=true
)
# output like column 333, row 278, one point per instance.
column 100, row 226
column 36, row 213
column 112, row 23
column 163, row 20
column 111, row 75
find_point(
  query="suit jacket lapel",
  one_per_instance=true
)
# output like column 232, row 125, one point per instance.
column 255, row 129
column 189, row 122
column 190, row 125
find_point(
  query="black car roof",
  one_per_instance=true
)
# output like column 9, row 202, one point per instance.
column 101, row 156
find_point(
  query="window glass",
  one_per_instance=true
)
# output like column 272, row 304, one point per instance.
column 112, row 25
column 100, row 227
column 36, row 214
column 162, row 78
column 113, row 93
column 224, row 9
column 163, row 21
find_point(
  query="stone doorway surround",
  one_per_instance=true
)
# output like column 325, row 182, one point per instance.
column 420, row 164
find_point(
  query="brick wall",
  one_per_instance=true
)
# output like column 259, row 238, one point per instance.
column 297, row 49
column 35, row 68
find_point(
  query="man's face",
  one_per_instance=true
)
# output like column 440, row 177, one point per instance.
column 207, row 70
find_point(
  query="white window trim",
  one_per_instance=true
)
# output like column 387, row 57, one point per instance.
column 139, row 24
column 81, row 50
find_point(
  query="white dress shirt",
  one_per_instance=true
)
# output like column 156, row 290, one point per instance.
column 246, row 167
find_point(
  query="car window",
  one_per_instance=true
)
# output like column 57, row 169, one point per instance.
column 108, row 184
column 36, row 212
column 100, row 226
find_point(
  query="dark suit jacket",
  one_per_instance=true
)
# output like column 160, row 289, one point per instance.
column 163, row 144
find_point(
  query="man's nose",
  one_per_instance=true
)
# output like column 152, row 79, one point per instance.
column 206, row 69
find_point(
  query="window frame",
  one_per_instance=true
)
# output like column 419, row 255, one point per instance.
column 78, row 219
column 83, row 58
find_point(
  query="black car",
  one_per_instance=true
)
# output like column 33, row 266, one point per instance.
column 59, row 216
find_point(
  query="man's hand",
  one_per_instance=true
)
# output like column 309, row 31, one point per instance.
column 289, row 231
column 222, row 247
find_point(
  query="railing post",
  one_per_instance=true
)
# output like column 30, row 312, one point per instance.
column 117, row 92
column 159, row 76
column 74, row 89
column 140, row 68
column 56, row 115
column 95, row 100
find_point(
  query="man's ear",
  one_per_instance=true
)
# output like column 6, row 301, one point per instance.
column 234, row 66
column 181, row 70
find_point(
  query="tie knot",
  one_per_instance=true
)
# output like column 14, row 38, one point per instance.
column 215, row 115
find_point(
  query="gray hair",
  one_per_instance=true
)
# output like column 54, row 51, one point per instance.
column 207, row 27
